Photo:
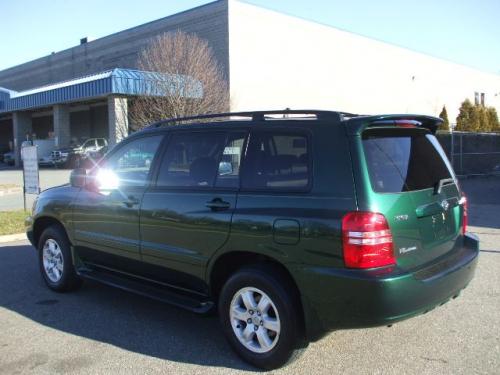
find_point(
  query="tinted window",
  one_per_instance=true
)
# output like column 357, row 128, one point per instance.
column 229, row 165
column 100, row 143
column 192, row 159
column 404, row 161
column 277, row 161
column 131, row 162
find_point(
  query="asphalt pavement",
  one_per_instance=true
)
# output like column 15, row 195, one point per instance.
column 101, row 330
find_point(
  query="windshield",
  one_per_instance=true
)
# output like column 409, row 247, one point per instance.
column 404, row 160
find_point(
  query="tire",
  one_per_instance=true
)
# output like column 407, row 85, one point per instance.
column 279, row 323
column 55, row 260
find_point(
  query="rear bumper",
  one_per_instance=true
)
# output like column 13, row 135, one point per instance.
column 343, row 298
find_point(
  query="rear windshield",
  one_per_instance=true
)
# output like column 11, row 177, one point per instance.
column 404, row 160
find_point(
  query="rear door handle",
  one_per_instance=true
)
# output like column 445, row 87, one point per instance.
column 217, row 204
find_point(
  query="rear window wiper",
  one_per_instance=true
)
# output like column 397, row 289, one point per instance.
column 439, row 185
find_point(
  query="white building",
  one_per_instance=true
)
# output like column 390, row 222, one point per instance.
column 278, row 61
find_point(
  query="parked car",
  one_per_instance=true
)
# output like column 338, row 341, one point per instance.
column 73, row 156
column 323, row 220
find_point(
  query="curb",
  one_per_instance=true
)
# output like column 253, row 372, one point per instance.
column 13, row 237
column 11, row 191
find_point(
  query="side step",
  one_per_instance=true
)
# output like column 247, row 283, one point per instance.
column 147, row 289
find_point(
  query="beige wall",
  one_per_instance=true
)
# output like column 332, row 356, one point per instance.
column 278, row 61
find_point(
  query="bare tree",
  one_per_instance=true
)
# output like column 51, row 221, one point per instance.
column 188, row 61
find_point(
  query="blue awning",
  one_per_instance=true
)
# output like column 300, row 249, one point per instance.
column 113, row 82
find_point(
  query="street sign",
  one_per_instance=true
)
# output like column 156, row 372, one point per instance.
column 29, row 156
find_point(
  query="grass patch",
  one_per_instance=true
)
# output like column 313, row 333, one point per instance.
column 12, row 222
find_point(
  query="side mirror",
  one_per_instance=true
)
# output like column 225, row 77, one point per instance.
column 78, row 177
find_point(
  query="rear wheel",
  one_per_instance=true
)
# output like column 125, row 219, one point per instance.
column 55, row 259
column 259, row 317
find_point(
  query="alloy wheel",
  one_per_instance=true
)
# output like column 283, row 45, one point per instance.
column 255, row 320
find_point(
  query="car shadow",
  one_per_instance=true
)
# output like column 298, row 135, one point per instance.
column 112, row 316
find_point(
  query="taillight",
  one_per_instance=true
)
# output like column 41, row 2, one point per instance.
column 406, row 123
column 367, row 240
column 465, row 219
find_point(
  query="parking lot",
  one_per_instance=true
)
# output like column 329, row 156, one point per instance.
column 102, row 330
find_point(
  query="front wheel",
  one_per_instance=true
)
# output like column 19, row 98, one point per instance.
column 259, row 317
column 55, row 260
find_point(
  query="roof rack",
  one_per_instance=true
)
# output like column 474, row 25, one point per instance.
column 259, row 116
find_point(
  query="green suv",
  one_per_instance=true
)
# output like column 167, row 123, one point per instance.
column 289, row 223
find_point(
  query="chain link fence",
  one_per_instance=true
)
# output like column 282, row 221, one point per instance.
column 472, row 153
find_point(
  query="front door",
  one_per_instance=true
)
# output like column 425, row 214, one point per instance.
column 186, row 215
column 106, row 212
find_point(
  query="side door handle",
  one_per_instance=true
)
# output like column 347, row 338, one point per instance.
column 217, row 204
column 131, row 201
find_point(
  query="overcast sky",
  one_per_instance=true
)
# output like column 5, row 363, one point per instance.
column 463, row 31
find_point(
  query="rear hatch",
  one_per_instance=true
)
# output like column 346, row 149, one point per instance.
column 413, row 185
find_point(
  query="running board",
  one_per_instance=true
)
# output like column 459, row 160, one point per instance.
column 146, row 289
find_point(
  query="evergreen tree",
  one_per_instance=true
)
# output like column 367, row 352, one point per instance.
column 484, row 119
column 465, row 116
column 493, row 119
column 445, row 126
column 475, row 119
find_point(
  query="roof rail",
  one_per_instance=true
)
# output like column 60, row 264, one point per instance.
column 258, row 116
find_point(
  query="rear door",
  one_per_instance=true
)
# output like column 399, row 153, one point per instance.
column 413, row 185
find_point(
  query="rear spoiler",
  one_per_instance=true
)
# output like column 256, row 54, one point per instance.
column 356, row 126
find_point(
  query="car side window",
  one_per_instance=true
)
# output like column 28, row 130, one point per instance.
column 277, row 161
column 228, row 174
column 132, row 162
column 191, row 159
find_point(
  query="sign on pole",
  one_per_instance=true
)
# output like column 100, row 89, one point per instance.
column 29, row 156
